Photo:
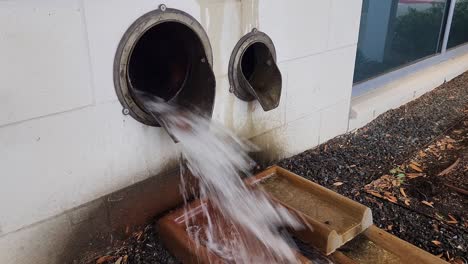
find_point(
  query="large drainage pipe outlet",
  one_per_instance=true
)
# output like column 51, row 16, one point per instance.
column 164, row 54
column 253, row 73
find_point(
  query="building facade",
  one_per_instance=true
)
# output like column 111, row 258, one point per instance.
column 71, row 159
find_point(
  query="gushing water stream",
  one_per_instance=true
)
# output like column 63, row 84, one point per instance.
column 240, row 224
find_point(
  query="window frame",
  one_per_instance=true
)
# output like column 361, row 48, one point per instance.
column 445, row 54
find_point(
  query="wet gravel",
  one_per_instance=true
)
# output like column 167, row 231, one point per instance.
column 356, row 159
column 362, row 156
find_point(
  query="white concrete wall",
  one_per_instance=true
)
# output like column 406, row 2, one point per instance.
column 316, row 43
column 64, row 141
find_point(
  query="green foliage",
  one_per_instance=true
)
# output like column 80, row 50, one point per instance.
column 416, row 34
column 398, row 173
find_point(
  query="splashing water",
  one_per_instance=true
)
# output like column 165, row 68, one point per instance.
column 241, row 225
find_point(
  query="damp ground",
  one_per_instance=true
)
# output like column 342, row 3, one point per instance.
column 386, row 146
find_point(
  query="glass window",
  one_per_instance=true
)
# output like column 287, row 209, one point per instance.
column 394, row 33
column 459, row 29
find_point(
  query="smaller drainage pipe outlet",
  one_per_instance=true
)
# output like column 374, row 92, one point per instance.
column 253, row 72
column 164, row 54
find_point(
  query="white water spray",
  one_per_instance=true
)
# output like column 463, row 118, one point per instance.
column 242, row 225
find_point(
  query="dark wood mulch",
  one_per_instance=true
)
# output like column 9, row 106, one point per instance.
column 357, row 159
column 363, row 156
column 432, row 182
column 143, row 247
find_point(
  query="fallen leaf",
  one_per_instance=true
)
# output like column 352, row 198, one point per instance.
column 450, row 146
column 390, row 227
column 374, row 201
column 431, row 204
column 125, row 258
column 104, row 259
column 434, row 152
column 138, row 235
column 453, row 220
column 415, row 163
column 460, row 190
column 383, row 183
column 415, row 167
column 376, row 194
column 437, row 243
column 450, row 140
column 422, row 154
column 338, row 183
column 402, row 191
column 385, row 193
column 119, row 261
column 414, row 175
column 407, row 202
column 449, row 169
column 390, row 197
